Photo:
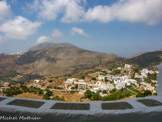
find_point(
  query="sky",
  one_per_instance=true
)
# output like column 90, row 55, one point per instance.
column 121, row 27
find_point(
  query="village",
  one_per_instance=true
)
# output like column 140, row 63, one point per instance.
column 107, row 80
column 103, row 83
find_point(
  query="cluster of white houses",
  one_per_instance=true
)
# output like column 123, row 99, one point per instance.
column 144, row 74
column 99, row 85
column 4, row 86
column 117, row 82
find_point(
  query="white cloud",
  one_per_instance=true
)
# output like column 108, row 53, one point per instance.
column 57, row 34
column 1, row 39
column 79, row 31
column 5, row 12
column 71, row 10
column 42, row 39
column 99, row 13
column 19, row 28
column 147, row 11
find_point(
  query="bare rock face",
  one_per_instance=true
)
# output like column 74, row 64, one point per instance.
column 50, row 59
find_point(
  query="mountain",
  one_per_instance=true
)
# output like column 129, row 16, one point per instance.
column 57, row 59
column 159, row 49
column 138, row 54
column 7, row 63
column 147, row 59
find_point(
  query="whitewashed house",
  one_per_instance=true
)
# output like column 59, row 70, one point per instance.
column 132, row 81
column 144, row 73
column 116, row 79
column 81, row 80
column 98, row 83
column 70, row 80
column 151, row 71
column 110, row 86
column 137, row 75
column 120, row 85
column 36, row 81
column 82, row 85
column 101, row 77
column 127, row 66
column 103, row 87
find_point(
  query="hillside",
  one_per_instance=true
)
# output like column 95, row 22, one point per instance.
column 58, row 59
column 138, row 54
column 7, row 63
column 50, row 59
column 147, row 59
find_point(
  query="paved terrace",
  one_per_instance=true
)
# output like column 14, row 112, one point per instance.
column 135, row 110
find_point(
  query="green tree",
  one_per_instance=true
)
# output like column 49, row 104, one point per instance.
column 147, row 93
column 113, row 90
column 106, row 79
column 76, row 86
column 47, row 95
column 88, row 94
column 93, row 78
column 116, row 71
column 104, row 92
column 50, row 81
column 82, row 77
column 140, row 95
column 95, row 96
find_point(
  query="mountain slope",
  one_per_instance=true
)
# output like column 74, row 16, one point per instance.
column 49, row 59
column 138, row 54
column 147, row 59
column 7, row 63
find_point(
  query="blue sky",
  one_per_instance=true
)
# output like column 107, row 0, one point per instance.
column 122, row 27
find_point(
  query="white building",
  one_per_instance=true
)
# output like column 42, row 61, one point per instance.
column 36, row 81
column 137, row 75
column 98, row 83
column 116, row 79
column 82, row 85
column 95, row 89
column 120, row 85
column 151, row 71
column 101, row 77
column 144, row 73
column 81, row 80
column 119, row 68
column 110, row 86
column 127, row 66
column 103, row 95
column 103, row 87
column 123, row 78
column 70, row 80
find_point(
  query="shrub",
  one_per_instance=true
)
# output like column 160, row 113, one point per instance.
column 116, row 71
column 95, row 96
column 147, row 93
column 93, row 78
column 88, row 94
column 140, row 95
column 82, row 77
column 104, row 92
column 50, row 81
column 59, row 98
